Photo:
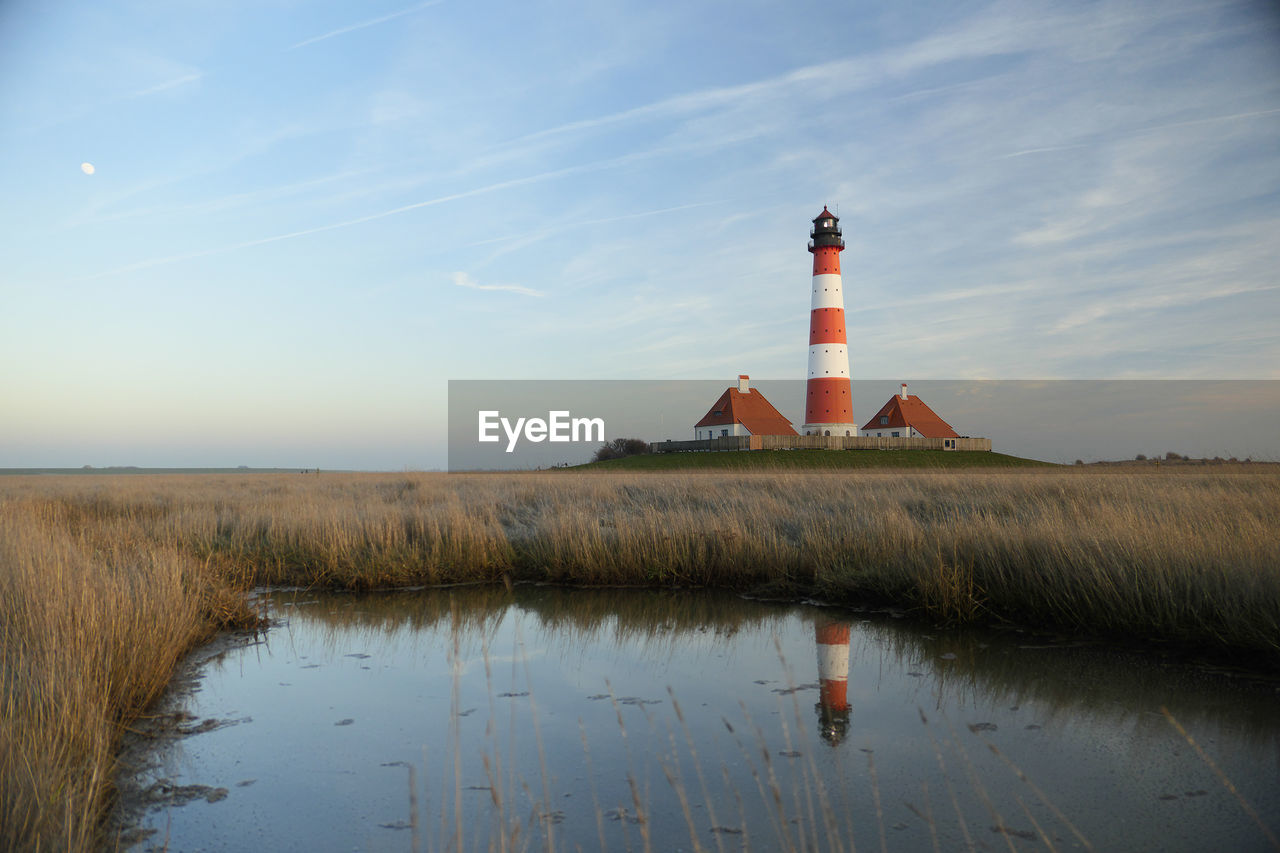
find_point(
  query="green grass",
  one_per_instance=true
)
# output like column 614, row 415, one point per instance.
column 818, row 459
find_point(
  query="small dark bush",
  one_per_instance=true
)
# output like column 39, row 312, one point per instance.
column 621, row 447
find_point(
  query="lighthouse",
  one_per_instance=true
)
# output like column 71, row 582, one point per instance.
column 829, row 394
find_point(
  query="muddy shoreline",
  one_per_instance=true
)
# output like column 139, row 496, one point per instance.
column 142, row 783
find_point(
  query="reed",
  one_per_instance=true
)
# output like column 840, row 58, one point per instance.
column 105, row 582
column 93, row 622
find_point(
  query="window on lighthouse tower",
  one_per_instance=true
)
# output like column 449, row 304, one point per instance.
column 826, row 223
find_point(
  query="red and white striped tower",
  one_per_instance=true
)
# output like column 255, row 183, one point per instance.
column 833, row 678
column 829, row 398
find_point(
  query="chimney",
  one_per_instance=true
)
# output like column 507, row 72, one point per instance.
column 742, row 383
column 904, row 390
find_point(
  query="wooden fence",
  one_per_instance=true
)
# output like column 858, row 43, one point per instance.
column 817, row 442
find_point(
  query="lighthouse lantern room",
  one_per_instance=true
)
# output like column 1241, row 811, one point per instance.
column 829, row 392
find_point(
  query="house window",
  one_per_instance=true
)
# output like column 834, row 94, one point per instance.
column 884, row 420
column 895, row 434
column 724, row 432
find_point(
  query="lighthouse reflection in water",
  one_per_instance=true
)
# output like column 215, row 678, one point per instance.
column 580, row 719
column 833, row 678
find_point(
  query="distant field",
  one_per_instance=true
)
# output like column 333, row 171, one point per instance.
column 819, row 459
column 133, row 469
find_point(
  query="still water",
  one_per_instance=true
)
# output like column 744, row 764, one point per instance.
column 479, row 718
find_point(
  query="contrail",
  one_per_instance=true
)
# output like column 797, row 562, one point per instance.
column 369, row 23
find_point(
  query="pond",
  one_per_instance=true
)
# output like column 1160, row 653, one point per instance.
column 550, row 718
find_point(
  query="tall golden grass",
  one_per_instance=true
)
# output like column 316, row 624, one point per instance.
column 93, row 621
column 106, row 581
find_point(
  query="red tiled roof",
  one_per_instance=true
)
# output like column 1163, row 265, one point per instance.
column 751, row 410
column 911, row 412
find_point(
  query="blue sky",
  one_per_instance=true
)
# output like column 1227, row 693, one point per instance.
column 304, row 218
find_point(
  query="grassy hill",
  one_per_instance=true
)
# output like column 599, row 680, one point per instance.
column 756, row 459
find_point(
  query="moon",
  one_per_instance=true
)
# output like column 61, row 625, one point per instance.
column 87, row 168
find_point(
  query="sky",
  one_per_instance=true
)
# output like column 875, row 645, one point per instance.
column 269, row 233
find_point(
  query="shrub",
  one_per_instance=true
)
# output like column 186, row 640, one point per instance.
column 621, row 447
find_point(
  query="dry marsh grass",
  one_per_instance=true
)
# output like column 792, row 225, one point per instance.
column 92, row 624
column 106, row 581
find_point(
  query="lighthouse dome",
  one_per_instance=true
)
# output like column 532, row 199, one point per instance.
column 826, row 230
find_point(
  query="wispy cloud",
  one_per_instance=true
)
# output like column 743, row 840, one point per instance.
column 1146, row 303
column 841, row 74
column 514, row 242
column 990, row 35
column 369, row 23
column 382, row 214
column 1207, row 120
column 1048, row 149
column 252, row 198
column 176, row 76
column 166, row 85
column 512, row 183
column 461, row 279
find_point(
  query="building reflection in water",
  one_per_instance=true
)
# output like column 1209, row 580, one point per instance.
column 833, row 676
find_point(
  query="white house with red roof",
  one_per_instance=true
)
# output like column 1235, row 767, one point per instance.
column 742, row 411
column 907, row 416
